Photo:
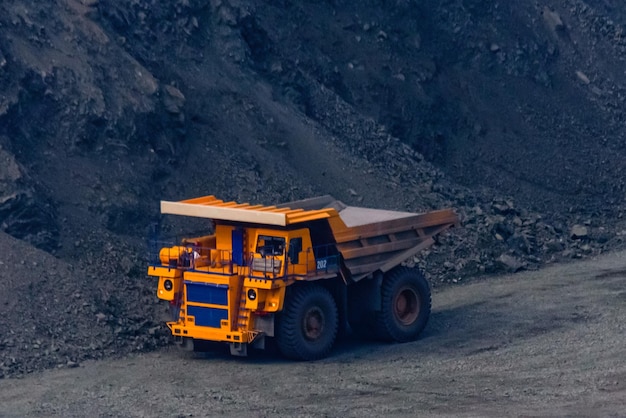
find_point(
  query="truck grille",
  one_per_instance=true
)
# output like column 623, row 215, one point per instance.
column 214, row 294
column 207, row 317
column 210, row 294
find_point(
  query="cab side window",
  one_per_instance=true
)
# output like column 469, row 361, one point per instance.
column 295, row 246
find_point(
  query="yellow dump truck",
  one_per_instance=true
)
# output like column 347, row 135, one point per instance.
column 296, row 272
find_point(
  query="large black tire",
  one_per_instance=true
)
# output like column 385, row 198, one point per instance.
column 405, row 305
column 307, row 326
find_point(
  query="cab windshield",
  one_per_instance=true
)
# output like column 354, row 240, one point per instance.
column 270, row 246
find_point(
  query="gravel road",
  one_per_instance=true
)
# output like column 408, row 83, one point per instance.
column 548, row 342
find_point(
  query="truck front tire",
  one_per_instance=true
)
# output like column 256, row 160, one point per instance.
column 405, row 305
column 308, row 324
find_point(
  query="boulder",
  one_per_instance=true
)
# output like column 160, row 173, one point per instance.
column 579, row 232
column 510, row 263
column 552, row 20
column 173, row 99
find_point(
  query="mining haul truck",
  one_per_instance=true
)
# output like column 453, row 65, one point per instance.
column 297, row 272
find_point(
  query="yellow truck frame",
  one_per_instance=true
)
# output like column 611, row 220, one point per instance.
column 297, row 272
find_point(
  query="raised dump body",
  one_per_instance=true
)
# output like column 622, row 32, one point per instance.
column 296, row 272
column 372, row 240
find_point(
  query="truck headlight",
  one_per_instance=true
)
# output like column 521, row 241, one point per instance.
column 168, row 285
column 251, row 294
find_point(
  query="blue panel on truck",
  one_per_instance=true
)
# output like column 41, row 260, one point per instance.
column 215, row 294
column 237, row 240
column 207, row 317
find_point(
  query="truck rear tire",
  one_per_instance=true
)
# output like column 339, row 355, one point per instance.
column 308, row 324
column 405, row 305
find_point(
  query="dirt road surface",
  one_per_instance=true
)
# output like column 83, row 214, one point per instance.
column 549, row 342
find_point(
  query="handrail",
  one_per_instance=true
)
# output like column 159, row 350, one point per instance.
column 318, row 260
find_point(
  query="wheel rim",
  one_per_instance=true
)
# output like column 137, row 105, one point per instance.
column 313, row 324
column 406, row 306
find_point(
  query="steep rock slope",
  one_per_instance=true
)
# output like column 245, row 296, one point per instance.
column 523, row 97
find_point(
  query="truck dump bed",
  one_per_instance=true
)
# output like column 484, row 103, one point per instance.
column 376, row 239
